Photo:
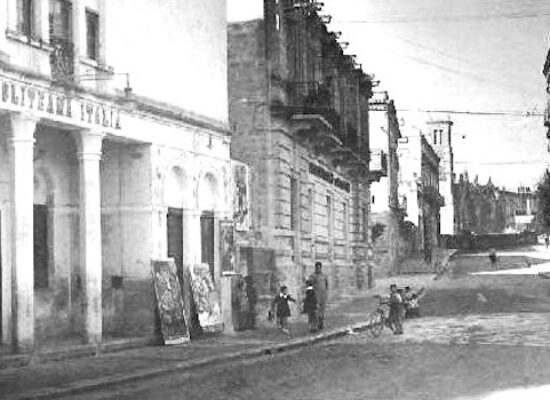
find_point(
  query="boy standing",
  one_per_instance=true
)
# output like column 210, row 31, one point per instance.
column 396, row 310
column 281, row 308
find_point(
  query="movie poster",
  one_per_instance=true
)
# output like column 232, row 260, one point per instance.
column 173, row 326
column 227, row 246
column 241, row 197
column 206, row 298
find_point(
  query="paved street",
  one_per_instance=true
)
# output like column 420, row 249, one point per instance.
column 464, row 347
column 358, row 368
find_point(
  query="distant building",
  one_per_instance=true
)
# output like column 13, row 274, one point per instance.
column 488, row 209
column 386, row 208
column 419, row 188
column 440, row 137
column 299, row 108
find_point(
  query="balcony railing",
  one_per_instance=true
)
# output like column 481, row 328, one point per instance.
column 62, row 59
column 313, row 98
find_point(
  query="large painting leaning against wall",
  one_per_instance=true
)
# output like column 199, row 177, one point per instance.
column 170, row 303
column 241, row 197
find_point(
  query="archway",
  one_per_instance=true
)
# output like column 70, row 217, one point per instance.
column 175, row 200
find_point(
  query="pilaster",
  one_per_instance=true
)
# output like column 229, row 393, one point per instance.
column 89, row 156
column 22, row 251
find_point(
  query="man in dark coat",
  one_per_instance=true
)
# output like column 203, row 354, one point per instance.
column 320, row 285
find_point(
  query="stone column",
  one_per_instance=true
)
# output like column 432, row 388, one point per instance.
column 89, row 156
column 21, row 197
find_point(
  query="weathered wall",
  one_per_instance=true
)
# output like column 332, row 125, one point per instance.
column 127, row 239
column 186, row 51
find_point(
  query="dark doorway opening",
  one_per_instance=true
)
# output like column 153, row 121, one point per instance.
column 175, row 238
column 207, row 240
column 41, row 255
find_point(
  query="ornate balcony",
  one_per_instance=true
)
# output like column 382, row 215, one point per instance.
column 311, row 115
column 62, row 59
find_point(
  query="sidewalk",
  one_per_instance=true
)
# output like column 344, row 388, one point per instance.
column 54, row 379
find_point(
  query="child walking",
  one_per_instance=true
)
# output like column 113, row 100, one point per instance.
column 281, row 308
column 311, row 306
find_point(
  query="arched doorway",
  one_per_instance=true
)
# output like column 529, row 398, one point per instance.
column 174, row 198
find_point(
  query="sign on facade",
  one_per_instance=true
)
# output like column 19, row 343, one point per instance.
column 56, row 105
column 329, row 177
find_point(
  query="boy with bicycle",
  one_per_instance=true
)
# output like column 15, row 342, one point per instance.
column 397, row 307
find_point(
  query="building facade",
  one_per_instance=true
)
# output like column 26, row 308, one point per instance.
column 386, row 209
column 106, row 163
column 440, row 137
column 485, row 208
column 419, row 188
column 299, row 109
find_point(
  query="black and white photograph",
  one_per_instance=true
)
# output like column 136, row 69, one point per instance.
column 275, row 199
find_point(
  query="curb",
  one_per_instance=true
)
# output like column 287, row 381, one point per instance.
column 72, row 352
column 84, row 386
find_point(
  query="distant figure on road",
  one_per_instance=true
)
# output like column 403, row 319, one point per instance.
column 320, row 285
column 493, row 258
column 547, row 240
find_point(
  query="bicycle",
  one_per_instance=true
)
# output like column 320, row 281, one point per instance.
column 377, row 320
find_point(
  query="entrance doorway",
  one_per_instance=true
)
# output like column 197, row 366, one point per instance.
column 175, row 238
column 207, row 240
column 41, row 255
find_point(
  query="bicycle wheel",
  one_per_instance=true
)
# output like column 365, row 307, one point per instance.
column 376, row 323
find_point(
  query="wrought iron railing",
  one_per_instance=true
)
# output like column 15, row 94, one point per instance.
column 313, row 98
column 62, row 59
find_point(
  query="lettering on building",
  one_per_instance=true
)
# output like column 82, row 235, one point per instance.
column 40, row 100
column 329, row 177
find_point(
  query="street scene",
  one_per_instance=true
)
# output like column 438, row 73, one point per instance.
column 274, row 199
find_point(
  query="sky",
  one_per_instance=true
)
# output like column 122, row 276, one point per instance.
column 468, row 55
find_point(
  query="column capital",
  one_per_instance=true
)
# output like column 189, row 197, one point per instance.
column 89, row 144
column 22, row 128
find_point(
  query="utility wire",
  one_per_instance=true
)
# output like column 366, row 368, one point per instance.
column 524, row 114
column 447, row 18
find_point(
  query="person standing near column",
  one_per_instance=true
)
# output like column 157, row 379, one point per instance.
column 320, row 285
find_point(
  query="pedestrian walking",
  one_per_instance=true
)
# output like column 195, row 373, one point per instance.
column 311, row 306
column 320, row 285
column 281, row 308
column 396, row 310
column 547, row 240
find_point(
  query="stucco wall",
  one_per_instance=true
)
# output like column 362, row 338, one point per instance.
column 175, row 51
